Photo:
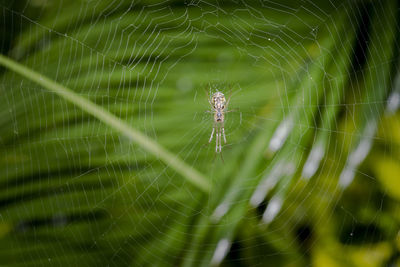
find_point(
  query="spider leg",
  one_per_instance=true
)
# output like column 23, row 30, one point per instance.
column 223, row 134
column 229, row 99
column 219, row 141
column 208, row 96
column 222, row 158
column 232, row 110
column 216, row 140
column 212, row 134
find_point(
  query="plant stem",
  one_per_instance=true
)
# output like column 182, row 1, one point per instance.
column 192, row 175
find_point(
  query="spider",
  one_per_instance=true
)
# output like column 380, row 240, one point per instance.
column 219, row 104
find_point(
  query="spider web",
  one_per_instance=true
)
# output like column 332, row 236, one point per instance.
column 309, row 138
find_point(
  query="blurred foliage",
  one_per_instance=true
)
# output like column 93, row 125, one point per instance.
column 73, row 191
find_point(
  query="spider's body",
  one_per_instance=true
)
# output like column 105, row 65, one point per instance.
column 219, row 104
column 219, row 117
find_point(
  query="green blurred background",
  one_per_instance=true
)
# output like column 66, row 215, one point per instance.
column 310, row 174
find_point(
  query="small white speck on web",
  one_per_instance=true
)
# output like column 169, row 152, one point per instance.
column 272, row 209
column 220, row 252
column 313, row 161
column 280, row 135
